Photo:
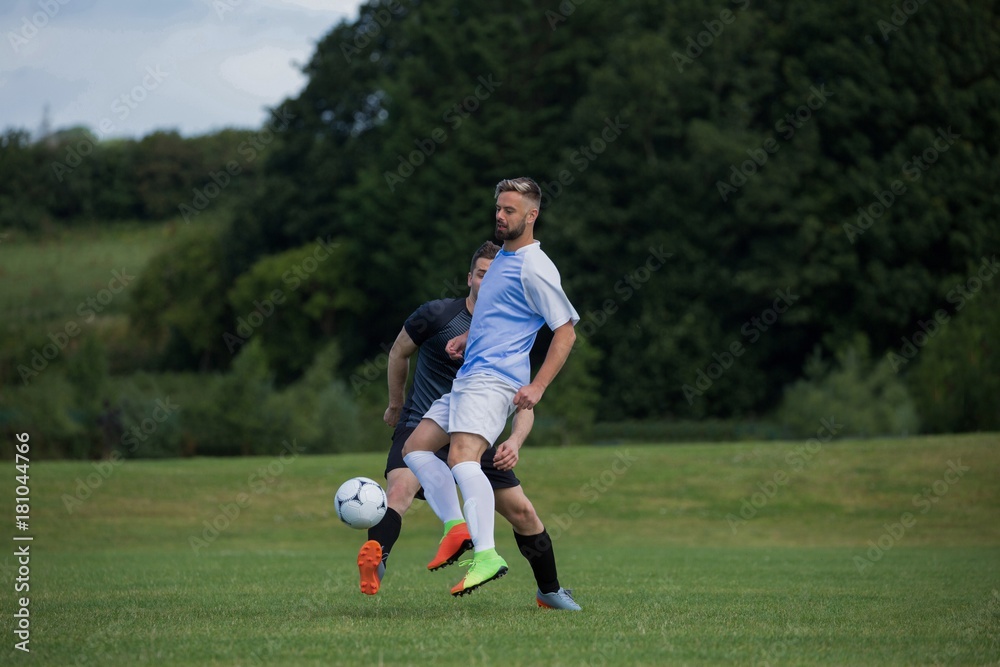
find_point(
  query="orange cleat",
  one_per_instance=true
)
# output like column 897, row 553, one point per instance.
column 455, row 543
column 369, row 565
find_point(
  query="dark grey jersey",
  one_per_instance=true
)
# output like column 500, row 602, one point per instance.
column 431, row 326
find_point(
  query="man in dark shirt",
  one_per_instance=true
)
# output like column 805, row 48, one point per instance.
column 426, row 332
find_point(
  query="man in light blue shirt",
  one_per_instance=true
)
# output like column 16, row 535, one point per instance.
column 519, row 294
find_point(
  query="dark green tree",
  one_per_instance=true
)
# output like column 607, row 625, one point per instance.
column 179, row 301
column 294, row 303
column 953, row 365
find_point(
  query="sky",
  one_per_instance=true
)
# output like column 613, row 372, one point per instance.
column 125, row 68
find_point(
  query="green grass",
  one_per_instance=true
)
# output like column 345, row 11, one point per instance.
column 641, row 534
column 45, row 279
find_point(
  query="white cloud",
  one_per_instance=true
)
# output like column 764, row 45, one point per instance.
column 264, row 71
column 347, row 8
column 220, row 70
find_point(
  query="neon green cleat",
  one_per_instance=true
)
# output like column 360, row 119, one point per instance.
column 484, row 567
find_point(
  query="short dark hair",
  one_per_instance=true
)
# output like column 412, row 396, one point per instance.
column 488, row 250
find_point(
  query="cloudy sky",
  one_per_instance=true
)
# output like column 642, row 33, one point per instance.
column 127, row 67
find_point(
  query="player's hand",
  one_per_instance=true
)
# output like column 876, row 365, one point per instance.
column 456, row 346
column 391, row 416
column 507, row 455
column 528, row 396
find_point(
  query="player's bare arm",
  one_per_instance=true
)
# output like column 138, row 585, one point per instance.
column 456, row 346
column 562, row 343
column 508, row 452
column 399, row 368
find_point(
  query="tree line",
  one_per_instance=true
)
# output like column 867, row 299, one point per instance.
column 71, row 177
column 760, row 210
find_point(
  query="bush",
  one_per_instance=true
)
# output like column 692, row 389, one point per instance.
column 322, row 417
column 60, row 405
column 955, row 378
column 566, row 413
column 147, row 415
column 22, row 215
column 176, row 302
column 44, row 409
column 232, row 414
column 247, row 414
column 292, row 303
column 866, row 397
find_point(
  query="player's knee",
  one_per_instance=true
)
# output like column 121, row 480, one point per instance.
column 453, row 458
column 401, row 487
column 458, row 455
column 399, row 498
column 414, row 443
column 522, row 517
column 530, row 523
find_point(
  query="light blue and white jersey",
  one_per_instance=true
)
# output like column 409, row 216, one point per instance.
column 520, row 292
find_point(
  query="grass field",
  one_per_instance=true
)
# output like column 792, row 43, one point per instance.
column 126, row 568
column 46, row 279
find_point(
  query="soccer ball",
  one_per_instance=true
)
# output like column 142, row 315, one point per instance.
column 360, row 502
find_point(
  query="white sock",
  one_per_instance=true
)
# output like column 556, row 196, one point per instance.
column 479, row 503
column 439, row 486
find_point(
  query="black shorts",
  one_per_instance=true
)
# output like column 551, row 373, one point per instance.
column 499, row 479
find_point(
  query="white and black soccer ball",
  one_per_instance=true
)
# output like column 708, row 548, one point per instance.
column 360, row 502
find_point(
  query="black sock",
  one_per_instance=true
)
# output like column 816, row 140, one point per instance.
column 537, row 549
column 386, row 531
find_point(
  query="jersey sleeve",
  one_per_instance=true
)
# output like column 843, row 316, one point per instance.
column 544, row 293
column 430, row 318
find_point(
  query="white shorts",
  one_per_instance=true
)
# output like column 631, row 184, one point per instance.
column 479, row 404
